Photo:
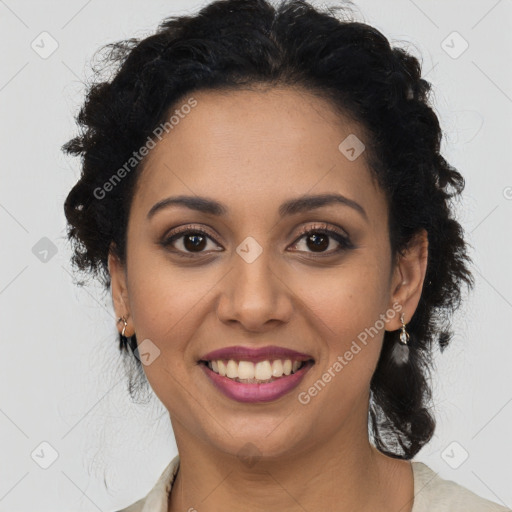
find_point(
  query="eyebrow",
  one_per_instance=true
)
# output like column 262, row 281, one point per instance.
column 290, row 207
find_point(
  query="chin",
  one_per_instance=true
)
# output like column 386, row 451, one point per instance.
column 256, row 443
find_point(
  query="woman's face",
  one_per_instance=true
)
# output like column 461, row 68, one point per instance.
column 255, row 280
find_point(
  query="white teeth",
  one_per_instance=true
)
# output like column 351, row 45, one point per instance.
column 246, row 370
column 222, row 368
column 232, row 369
column 249, row 371
column 263, row 370
column 277, row 368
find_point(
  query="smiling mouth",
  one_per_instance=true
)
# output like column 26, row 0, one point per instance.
column 262, row 372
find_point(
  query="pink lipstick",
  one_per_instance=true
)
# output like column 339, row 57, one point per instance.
column 280, row 370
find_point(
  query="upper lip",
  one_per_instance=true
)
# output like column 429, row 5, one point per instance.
column 240, row 353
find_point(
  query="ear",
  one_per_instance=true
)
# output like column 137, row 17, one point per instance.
column 120, row 297
column 407, row 280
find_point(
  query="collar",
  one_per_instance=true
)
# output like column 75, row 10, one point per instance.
column 157, row 498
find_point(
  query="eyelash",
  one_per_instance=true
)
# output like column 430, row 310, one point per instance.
column 342, row 239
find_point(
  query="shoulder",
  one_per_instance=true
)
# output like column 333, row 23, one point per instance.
column 134, row 507
column 431, row 493
column 435, row 494
column 156, row 499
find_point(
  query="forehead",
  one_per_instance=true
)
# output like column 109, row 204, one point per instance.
column 256, row 147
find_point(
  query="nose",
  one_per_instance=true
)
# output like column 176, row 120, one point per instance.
column 255, row 296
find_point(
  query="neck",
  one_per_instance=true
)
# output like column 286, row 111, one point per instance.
column 342, row 473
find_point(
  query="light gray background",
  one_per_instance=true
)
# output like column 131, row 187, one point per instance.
column 61, row 382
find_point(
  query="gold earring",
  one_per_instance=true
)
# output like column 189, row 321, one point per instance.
column 123, row 319
column 404, row 335
column 400, row 351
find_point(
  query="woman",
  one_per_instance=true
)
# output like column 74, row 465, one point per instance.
column 262, row 189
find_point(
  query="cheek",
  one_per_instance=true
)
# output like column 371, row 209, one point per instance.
column 347, row 307
column 352, row 297
column 164, row 298
column 165, row 305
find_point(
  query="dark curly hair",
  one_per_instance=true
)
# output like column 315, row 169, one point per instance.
column 232, row 44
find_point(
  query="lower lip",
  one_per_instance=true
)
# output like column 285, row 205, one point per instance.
column 257, row 392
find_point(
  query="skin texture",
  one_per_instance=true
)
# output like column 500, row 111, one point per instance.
column 252, row 150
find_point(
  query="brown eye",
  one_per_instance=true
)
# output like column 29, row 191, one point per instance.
column 317, row 242
column 194, row 242
column 319, row 239
column 187, row 242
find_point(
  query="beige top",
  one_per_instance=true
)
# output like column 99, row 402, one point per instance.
column 431, row 493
